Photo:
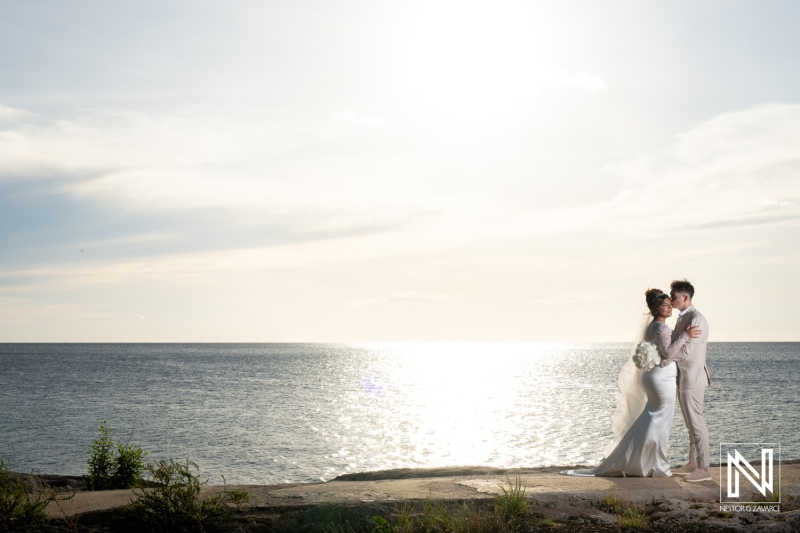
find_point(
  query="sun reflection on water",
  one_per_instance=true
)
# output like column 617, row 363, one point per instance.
column 437, row 404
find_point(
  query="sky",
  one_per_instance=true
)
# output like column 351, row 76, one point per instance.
column 382, row 171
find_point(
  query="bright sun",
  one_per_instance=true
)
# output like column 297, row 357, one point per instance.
column 469, row 66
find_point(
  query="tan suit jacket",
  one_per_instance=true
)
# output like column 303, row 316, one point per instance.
column 691, row 359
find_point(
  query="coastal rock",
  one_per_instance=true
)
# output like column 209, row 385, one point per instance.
column 602, row 519
column 572, row 503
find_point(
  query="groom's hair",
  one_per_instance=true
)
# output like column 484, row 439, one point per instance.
column 682, row 285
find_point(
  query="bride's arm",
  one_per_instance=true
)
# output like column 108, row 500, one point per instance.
column 682, row 352
column 668, row 349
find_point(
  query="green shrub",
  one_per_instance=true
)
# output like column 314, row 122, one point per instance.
column 481, row 520
column 129, row 466
column 404, row 518
column 174, row 503
column 19, row 506
column 437, row 518
column 631, row 518
column 113, row 465
column 612, row 503
column 628, row 516
column 101, row 460
column 512, row 503
column 383, row 525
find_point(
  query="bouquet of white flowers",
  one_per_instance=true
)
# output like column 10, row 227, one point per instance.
column 646, row 356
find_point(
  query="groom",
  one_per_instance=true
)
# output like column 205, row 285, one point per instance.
column 693, row 379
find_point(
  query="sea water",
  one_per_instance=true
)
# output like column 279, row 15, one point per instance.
column 273, row 413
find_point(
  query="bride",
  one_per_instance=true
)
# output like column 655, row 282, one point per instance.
column 641, row 445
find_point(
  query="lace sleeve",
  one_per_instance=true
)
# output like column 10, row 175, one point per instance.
column 664, row 338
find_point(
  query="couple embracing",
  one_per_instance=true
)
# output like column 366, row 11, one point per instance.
column 643, row 422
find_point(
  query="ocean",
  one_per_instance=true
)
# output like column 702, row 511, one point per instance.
column 274, row 413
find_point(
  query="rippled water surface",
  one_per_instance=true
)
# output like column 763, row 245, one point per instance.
column 269, row 413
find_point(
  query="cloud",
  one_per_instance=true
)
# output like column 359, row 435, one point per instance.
column 708, row 179
column 580, row 81
column 131, row 188
column 135, row 162
column 351, row 117
column 776, row 203
column 736, row 170
column 715, row 170
column 8, row 114
column 739, row 169
column 96, row 143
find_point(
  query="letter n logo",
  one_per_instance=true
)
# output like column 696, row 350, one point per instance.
column 759, row 476
column 741, row 465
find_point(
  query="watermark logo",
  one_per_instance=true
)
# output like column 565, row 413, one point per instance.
column 745, row 466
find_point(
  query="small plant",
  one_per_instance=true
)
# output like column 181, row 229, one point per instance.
column 383, row 525
column 436, row 518
column 772, row 497
column 481, row 520
column 628, row 516
column 113, row 465
column 403, row 518
column 18, row 505
column 174, row 504
column 612, row 503
column 632, row 518
column 543, row 521
column 512, row 504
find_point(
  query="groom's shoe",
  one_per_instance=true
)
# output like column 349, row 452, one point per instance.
column 698, row 475
column 683, row 471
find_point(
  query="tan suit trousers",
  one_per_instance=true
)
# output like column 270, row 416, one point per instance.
column 691, row 402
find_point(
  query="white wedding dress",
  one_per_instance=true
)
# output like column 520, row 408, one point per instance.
column 642, row 448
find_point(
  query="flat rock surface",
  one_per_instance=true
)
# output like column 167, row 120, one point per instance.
column 560, row 498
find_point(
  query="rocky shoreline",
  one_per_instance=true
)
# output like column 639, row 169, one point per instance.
column 57, row 482
column 557, row 503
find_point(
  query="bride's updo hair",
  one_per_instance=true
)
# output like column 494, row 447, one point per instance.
column 654, row 298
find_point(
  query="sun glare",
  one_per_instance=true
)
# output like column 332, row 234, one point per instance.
column 469, row 66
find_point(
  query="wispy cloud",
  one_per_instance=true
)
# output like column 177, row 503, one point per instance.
column 735, row 169
column 715, row 171
column 776, row 203
column 136, row 162
column 710, row 178
column 12, row 113
column 100, row 142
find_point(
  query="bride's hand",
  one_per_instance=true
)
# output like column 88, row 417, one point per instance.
column 693, row 332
